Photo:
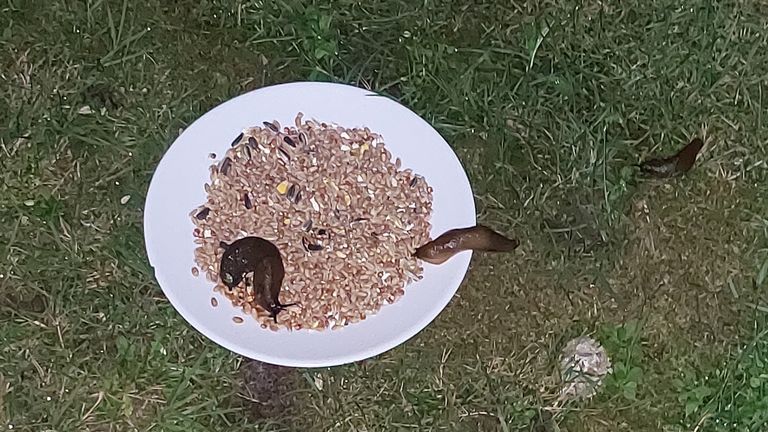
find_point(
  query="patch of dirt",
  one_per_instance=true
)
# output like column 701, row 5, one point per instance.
column 575, row 227
column 103, row 95
column 544, row 421
column 268, row 391
column 23, row 302
column 683, row 265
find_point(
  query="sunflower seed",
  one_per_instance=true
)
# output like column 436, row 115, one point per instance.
column 284, row 154
column 225, row 165
column 413, row 181
column 237, row 140
column 203, row 213
column 289, row 141
column 291, row 195
column 309, row 246
column 272, row 126
column 307, row 225
column 247, row 201
column 303, row 138
column 252, row 142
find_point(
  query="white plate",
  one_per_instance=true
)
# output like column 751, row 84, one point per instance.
column 177, row 188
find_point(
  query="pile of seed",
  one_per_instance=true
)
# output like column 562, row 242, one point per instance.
column 345, row 217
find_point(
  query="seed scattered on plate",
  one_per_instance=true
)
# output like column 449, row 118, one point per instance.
column 214, row 302
column 272, row 126
column 340, row 218
column 124, row 200
column 289, row 141
column 195, row 272
column 282, row 188
column 203, row 213
column 212, row 155
column 284, row 154
column 225, row 166
column 236, row 141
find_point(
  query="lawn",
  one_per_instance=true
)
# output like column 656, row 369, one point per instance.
column 548, row 105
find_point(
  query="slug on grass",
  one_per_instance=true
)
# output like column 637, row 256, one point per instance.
column 478, row 238
column 675, row 165
column 261, row 259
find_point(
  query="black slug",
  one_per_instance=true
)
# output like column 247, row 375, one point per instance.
column 261, row 259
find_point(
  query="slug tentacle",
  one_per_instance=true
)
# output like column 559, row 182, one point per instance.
column 478, row 238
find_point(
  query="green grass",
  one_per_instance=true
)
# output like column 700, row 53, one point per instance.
column 546, row 104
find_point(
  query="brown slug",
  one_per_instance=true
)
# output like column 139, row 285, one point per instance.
column 478, row 238
column 261, row 259
column 675, row 165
